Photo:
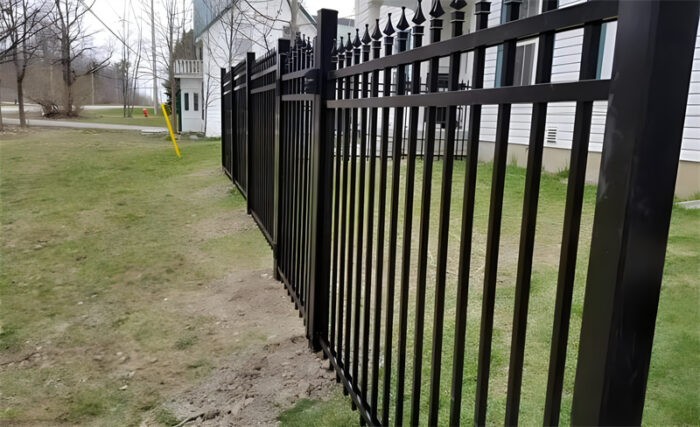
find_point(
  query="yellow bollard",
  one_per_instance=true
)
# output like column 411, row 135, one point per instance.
column 170, row 129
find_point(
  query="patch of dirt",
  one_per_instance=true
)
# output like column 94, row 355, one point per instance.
column 220, row 226
column 212, row 191
column 272, row 367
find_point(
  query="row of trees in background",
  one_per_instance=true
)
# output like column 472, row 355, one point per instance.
column 48, row 44
column 42, row 34
column 41, row 40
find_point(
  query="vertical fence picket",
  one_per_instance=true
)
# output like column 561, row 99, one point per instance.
column 360, row 155
column 482, row 10
column 494, row 226
column 444, row 224
column 376, row 335
column 351, row 145
column 543, row 74
column 391, row 263
column 370, row 222
column 436, row 13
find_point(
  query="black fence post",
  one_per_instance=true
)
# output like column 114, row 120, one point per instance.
column 249, row 61
column 282, row 52
column 647, row 103
column 223, row 122
column 322, row 184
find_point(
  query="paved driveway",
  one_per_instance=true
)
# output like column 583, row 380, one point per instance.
column 84, row 125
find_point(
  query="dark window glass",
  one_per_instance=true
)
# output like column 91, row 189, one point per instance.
column 196, row 101
column 187, row 101
column 524, row 61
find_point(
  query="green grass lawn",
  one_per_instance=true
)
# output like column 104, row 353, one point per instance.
column 105, row 237
column 673, row 393
column 100, row 228
column 116, row 116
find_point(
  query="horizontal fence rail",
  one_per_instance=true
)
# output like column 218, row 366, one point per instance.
column 347, row 149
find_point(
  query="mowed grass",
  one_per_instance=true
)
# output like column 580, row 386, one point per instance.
column 105, row 236
column 673, row 393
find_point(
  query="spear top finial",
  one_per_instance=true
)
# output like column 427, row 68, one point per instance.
column 388, row 29
column 418, row 17
column 341, row 48
column 376, row 34
column 403, row 23
column 365, row 37
column 348, row 46
column 356, row 42
column 436, row 10
column 334, row 49
column 458, row 4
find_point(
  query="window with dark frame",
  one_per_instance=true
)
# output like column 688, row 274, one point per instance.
column 196, row 101
column 187, row 101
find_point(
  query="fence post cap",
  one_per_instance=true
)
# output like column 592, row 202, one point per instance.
column 376, row 34
column 365, row 37
column 418, row 17
column 482, row 7
column 388, row 29
column 403, row 23
column 458, row 4
column 356, row 42
column 436, row 10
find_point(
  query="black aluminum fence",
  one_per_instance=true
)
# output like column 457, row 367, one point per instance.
column 239, row 118
column 263, row 78
column 226, row 124
column 351, row 122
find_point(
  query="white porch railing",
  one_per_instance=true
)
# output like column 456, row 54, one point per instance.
column 188, row 68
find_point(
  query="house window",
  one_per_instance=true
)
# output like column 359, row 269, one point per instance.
column 525, row 51
column 524, row 64
column 196, row 101
column 187, row 101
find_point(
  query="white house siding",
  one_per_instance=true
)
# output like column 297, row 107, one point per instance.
column 691, row 132
column 215, row 54
column 191, row 117
column 560, row 116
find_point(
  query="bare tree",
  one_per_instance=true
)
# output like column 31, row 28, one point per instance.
column 244, row 24
column 75, row 43
column 170, row 29
column 26, row 18
column 130, row 62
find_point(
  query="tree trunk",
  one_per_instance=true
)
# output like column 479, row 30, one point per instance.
column 173, row 98
column 1, row 125
column 67, row 76
column 20, row 100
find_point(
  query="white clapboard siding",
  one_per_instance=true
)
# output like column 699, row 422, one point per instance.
column 690, row 150
column 566, row 65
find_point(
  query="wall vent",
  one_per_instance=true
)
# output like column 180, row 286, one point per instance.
column 551, row 135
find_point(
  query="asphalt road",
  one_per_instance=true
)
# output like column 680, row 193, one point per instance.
column 84, row 125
